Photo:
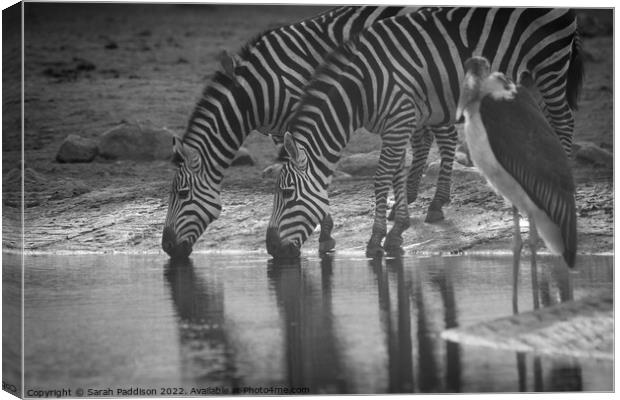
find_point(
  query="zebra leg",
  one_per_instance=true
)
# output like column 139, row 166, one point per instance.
column 394, row 239
column 326, row 242
column 389, row 161
column 421, row 141
column 446, row 138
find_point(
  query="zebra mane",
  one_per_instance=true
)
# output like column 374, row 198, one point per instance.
column 246, row 50
column 212, row 93
column 220, row 78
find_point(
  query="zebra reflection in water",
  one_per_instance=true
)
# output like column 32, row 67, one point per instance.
column 207, row 356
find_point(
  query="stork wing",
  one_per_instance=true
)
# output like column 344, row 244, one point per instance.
column 527, row 147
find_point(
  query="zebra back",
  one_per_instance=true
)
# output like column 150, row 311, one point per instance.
column 423, row 55
column 407, row 71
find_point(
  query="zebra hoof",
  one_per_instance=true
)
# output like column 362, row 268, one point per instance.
column 374, row 250
column 392, row 242
column 434, row 216
column 394, row 251
column 327, row 246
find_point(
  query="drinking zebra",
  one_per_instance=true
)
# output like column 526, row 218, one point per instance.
column 256, row 90
column 405, row 72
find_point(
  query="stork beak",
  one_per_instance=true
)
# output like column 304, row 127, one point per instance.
column 476, row 70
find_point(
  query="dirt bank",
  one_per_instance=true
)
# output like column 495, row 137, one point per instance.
column 96, row 66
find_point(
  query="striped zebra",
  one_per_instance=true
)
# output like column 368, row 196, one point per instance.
column 405, row 72
column 446, row 138
column 255, row 90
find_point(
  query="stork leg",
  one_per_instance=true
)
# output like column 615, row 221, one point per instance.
column 533, row 240
column 517, row 244
column 569, row 285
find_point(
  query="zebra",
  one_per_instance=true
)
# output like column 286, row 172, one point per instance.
column 407, row 71
column 421, row 141
column 256, row 89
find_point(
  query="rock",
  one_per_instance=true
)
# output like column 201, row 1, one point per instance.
column 462, row 158
column 459, row 171
column 77, row 149
column 339, row 175
column 69, row 70
column 83, row 65
column 67, row 189
column 243, row 157
column 593, row 154
column 364, row 164
column 134, row 142
column 111, row 45
column 361, row 164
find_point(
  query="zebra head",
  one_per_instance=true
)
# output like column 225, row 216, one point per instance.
column 193, row 204
column 300, row 203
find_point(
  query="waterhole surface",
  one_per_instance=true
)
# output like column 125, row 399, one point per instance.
column 342, row 324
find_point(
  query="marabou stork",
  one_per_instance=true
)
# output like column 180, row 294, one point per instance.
column 517, row 151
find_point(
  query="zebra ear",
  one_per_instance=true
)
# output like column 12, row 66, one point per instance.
column 228, row 63
column 177, row 148
column 186, row 154
column 297, row 155
column 291, row 147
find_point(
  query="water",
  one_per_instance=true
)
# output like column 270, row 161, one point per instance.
column 342, row 325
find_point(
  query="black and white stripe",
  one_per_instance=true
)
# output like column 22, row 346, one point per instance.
column 558, row 102
column 256, row 90
column 420, row 56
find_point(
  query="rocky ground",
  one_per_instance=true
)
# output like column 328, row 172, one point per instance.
column 91, row 69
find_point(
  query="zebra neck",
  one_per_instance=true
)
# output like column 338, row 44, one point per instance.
column 323, row 143
column 219, row 125
column 340, row 102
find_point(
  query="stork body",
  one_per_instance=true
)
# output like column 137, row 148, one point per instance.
column 515, row 148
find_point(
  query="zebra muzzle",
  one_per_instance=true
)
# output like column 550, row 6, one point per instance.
column 170, row 245
column 279, row 249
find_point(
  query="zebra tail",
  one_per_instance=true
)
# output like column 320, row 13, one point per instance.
column 575, row 74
